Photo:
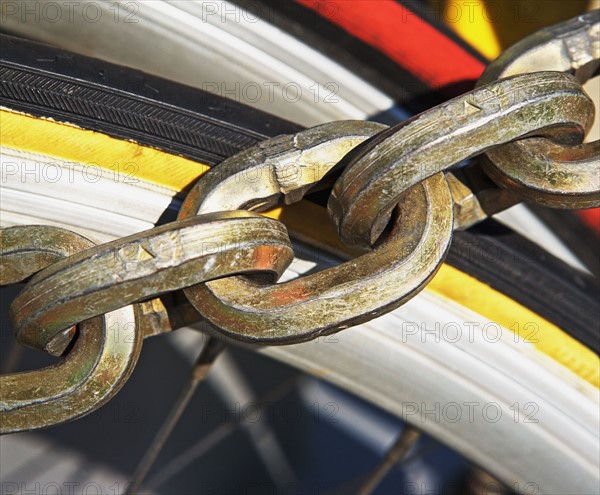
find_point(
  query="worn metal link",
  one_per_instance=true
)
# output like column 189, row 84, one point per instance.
column 572, row 46
column 550, row 173
column 372, row 184
column 96, row 367
column 336, row 298
column 76, row 283
column 143, row 266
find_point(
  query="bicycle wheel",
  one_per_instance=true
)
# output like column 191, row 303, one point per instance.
column 470, row 369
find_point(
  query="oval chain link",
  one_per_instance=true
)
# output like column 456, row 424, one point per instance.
column 333, row 299
column 100, row 361
column 374, row 181
column 143, row 266
column 540, row 170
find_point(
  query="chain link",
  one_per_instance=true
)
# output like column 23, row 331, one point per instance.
column 401, row 193
column 146, row 265
column 374, row 181
column 98, row 364
column 557, row 174
column 336, row 298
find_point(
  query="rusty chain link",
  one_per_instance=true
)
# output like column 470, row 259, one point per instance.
column 372, row 184
column 146, row 265
column 401, row 193
column 100, row 361
column 559, row 175
column 341, row 296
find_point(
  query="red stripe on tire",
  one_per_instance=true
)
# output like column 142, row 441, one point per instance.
column 404, row 37
column 591, row 218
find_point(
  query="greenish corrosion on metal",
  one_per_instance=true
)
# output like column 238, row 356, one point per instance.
column 94, row 369
column 341, row 296
column 551, row 172
column 395, row 160
column 145, row 265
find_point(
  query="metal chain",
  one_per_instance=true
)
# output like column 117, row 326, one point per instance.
column 401, row 193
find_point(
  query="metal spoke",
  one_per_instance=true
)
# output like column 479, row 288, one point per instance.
column 209, row 353
column 394, row 455
column 204, row 445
